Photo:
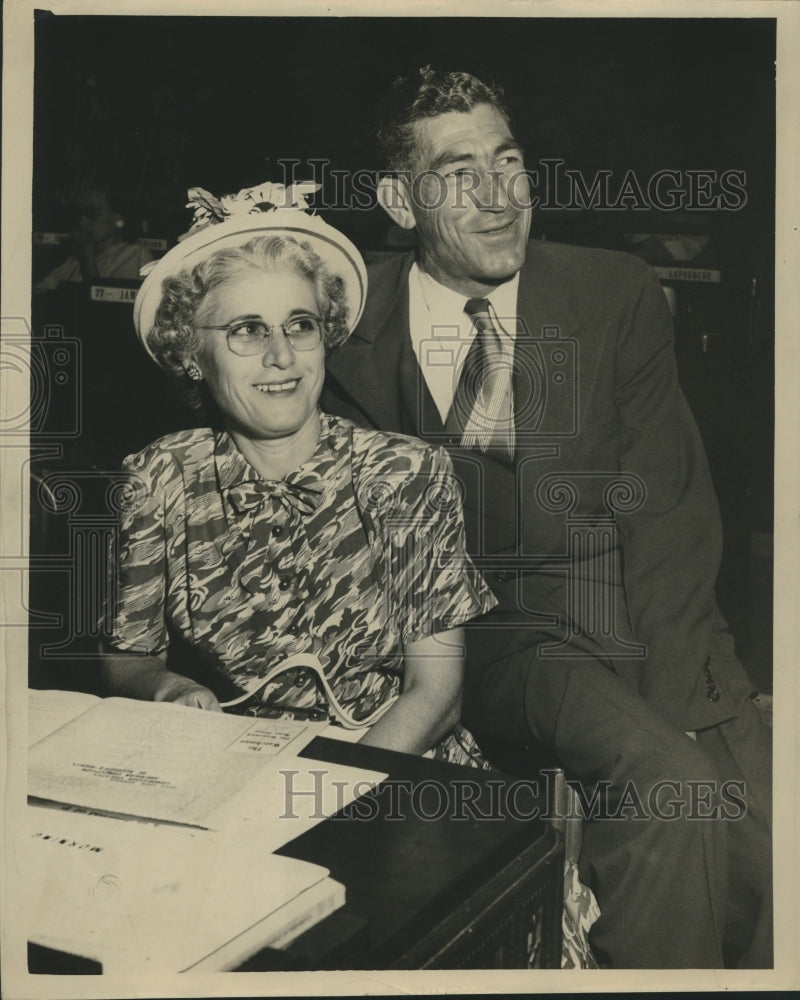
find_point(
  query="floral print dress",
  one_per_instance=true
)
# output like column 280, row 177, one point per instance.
column 356, row 553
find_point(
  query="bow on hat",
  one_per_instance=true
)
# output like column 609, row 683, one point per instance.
column 302, row 493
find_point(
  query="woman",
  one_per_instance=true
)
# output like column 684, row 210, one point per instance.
column 280, row 532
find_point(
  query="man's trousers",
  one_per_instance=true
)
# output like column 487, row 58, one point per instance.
column 677, row 843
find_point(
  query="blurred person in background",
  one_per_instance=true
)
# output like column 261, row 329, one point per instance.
column 100, row 246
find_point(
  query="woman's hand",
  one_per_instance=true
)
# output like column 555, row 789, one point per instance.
column 183, row 691
column 430, row 704
column 147, row 678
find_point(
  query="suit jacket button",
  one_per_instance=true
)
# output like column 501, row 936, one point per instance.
column 713, row 695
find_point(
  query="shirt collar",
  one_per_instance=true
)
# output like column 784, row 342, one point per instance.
column 440, row 299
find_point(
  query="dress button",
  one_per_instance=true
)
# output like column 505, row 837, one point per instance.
column 713, row 695
column 277, row 531
column 284, row 583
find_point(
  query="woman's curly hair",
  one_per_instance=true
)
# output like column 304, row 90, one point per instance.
column 172, row 337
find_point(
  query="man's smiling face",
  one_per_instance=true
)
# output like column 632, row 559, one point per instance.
column 470, row 199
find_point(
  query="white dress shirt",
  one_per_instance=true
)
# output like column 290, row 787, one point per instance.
column 441, row 332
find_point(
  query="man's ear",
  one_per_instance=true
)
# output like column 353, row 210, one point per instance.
column 395, row 200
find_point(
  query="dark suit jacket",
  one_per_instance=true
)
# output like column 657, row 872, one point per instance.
column 602, row 538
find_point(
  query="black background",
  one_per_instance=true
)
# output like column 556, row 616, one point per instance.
column 158, row 104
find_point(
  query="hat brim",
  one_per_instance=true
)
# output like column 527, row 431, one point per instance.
column 337, row 252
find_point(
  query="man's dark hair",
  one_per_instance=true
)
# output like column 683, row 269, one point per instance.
column 426, row 94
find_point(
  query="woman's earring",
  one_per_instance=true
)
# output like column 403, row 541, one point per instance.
column 194, row 373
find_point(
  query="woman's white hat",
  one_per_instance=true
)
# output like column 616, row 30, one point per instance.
column 267, row 210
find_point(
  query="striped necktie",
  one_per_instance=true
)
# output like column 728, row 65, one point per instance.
column 483, row 405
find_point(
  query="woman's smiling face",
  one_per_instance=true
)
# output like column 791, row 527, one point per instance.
column 272, row 394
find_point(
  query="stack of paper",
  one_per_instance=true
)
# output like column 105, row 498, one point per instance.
column 152, row 827
column 138, row 897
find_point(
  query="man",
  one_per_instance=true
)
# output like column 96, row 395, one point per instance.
column 590, row 508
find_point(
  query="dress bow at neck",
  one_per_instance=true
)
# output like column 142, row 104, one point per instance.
column 301, row 492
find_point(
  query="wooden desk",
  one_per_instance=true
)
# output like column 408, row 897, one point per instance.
column 441, row 867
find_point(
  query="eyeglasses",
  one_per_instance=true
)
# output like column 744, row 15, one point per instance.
column 303, row 333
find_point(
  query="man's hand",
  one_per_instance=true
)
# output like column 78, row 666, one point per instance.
column 182, row 691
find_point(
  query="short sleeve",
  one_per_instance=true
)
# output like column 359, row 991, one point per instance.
column 139, row 559
column 432, row 582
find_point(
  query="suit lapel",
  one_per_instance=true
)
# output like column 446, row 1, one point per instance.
column 377, row 366
column 419, row 414
column 547, row 392
column 367, row 366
